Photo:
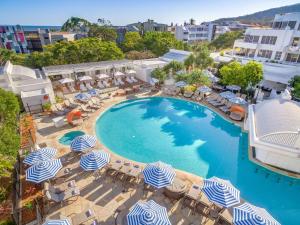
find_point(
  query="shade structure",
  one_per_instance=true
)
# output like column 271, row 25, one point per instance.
column 227, row 94
column 39, row 155
column 42, row 171
column 118, row 74
column 233, row 87
column 66, row 81
column 85, row 78
column 82, row 143
column 93, row 92
column 247, row 214
column 204, row 89
column 180, row 84
column 131, row 72
column 82, row 96
column 238, row 100
column 102, row 76
column 221, row 192
column 94, row 160
column 159, row 174
column 148, row 213
column 57, row 222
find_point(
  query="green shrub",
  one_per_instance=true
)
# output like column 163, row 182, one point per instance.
column 47, row 106
column 190, row 88
column 7, row 222
column 3, row 194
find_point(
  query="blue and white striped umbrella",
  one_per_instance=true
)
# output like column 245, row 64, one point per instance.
column 221, row 192
column 58, row 222
column 82, row 143
column 43, row 171
column 181, row 84
column 159, row 174
column 94, row 160
column 82, row 96
column 248, row 214
column 39, row 155
column 238, row 100
column 204, row 89
column 148, row 213
column 93, row 92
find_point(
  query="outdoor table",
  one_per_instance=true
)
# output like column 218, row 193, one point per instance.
column 176, row 190
column 121, row 92
column 134, row 171
column 194, row 192
column 126, row 167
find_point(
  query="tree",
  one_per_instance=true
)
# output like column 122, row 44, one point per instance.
column 253, row 72
column 189, row 62
column 76, row 24
column 174, row 67
column 102, row 32
column 226, row 40
column 132, row 41
column 161, row 42
column 159, row 74
column 196, row 78
column 200, row 58
column 135, row 55
column 232, row 74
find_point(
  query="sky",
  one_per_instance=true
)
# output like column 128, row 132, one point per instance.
column 122, row 12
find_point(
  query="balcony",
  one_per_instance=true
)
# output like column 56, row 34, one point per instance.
column 293, row 49
column 240, row 43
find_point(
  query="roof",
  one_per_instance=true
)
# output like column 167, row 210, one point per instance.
column 71, row 68
column 177, row 55
column 277, row 121
column 24, row 71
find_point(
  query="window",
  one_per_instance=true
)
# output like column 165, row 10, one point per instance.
column 269, row 40
column 292, row 58
column 265, row 53
column 292, row 24
column 55, row 77
column 296, row 41
column 251, row 38
column 278, row 55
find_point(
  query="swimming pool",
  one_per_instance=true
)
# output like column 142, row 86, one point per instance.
column 67, row 138
column 195, row 139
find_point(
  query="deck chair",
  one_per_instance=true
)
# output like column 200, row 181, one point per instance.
column 96, row 101
column 226, row 108
column 236, row 116
column 80, row 218
column 221, row 103
column 60, row 187
column 116, row 83
column 129, row 80
column 63, row 196
column 134, row 80
column 100, row 85
column 56, row 111
column 106, row 84
column 92, row 105
column 120, row 81
column 85, row 109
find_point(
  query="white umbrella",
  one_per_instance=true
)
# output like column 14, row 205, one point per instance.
column 102, row 76
column 66, row 80
column 118, row 74
column 227, row 94
column 85, row 78
column 204, row 89
column 181, row 84
column 238, row 100
column 233, row 87
column 131, row 72
column 153, row 81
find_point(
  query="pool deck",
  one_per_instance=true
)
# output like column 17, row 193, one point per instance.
column 102, row 194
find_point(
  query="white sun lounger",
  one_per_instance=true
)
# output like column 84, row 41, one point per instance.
column 116, row 83
column 106, row 84
column 82, row 87
column 120, row 81
column 129, row 80
column 89, row 87
column 100, row 85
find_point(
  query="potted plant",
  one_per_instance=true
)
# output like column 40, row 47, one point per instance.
column 47, row 107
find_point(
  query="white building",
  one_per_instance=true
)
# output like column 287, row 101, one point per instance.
column 192, row 33
column 33, row 86
column 274, row 133
column 281, row 43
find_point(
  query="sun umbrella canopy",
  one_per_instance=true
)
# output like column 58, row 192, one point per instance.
column 82, row 143
column 93, row 92
column 119, row 74
column 66, row 80
column 180, row 84
column 57, row 222
column 153, row 81
column 102, row 76
column 221, row 192
column 43, row 170
column 227, row 94
column 159, row 174
column 94, row 160
column 248, row 214
column 39, row 155
column 238, row 100
column 131, row 72
column 85, row 78
column 82, row 96
column 148, row 213
column 204, row 89
column 233, row 87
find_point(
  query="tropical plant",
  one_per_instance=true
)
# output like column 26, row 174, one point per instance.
column 132, row 42
column 225, row 40
column 47, row 106
column 173, row 67
column 159, row 74
column 76, row 24
column 253, row 72
column 104, row 33
column 200, row 58
column 196, row 78
column 295, row 84
column 135, row 55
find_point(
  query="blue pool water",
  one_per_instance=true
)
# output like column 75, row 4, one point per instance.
column 193, row 138
column 67, row 138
